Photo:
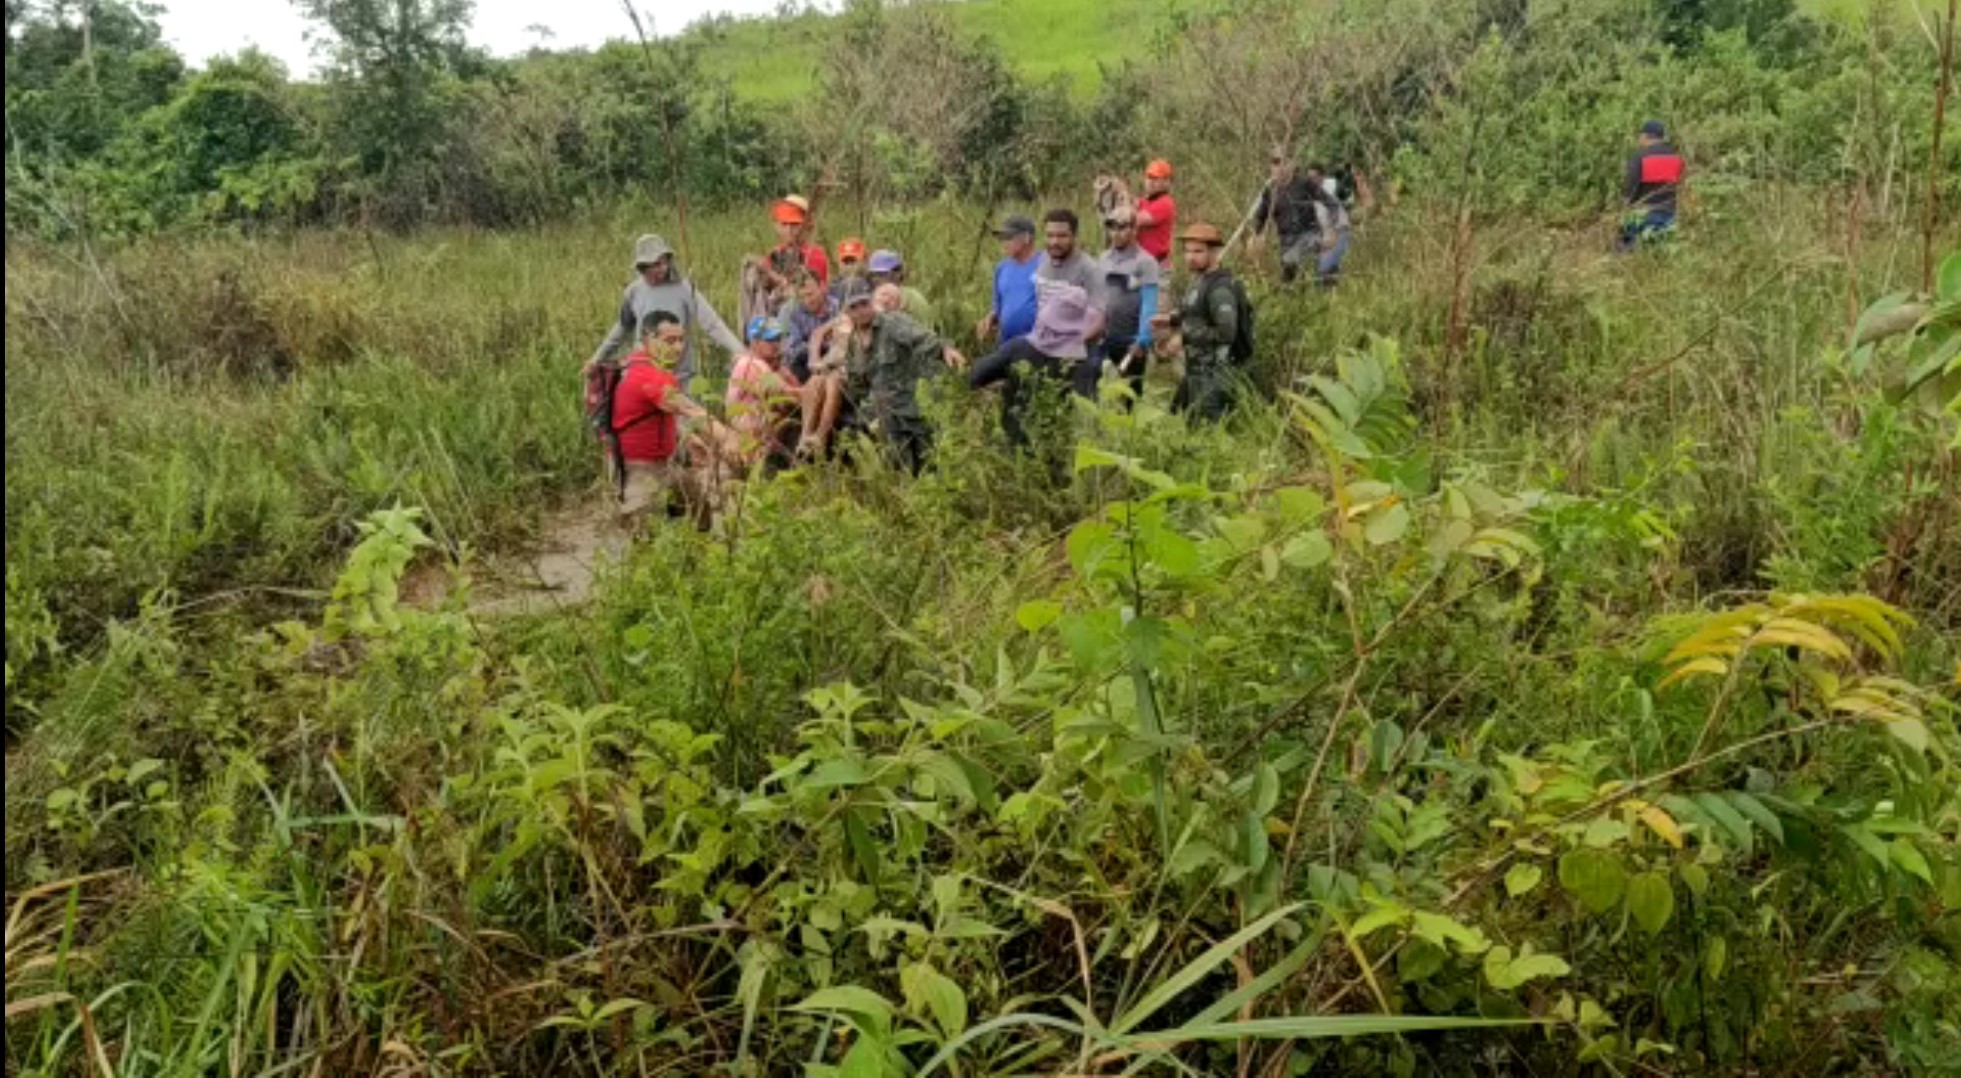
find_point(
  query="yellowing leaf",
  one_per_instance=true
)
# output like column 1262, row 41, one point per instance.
column 1662, row 824
column 1694, row 668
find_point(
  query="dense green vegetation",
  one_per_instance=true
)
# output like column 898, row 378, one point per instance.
column 1553, row 670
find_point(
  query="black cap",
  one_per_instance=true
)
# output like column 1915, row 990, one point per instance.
column 856, row 290
column 1654, row 129
column 1016, row 225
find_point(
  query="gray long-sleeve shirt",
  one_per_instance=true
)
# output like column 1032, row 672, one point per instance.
column 682, row 299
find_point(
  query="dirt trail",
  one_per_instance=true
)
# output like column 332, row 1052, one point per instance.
column 556, row 571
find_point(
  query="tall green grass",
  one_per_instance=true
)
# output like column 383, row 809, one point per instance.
column 416, row 849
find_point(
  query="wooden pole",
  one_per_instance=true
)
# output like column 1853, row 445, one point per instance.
column 1930, row 213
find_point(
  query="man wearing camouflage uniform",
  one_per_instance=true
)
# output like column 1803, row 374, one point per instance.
column 875, row 381
column 1208, row 321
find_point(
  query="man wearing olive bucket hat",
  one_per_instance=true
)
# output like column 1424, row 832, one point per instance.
column 659, row 286
column 1215, row 327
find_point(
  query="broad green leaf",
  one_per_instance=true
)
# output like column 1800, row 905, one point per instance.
column 618, row 1006
column 1725, row 813
column 928, row 991
column 1911, row 732
column 1758, row 812
column 1387, row 914
column 1300, row 505
column 1439, row 929
column 1862, row 837
column 1386, row 525
column 1307, row 550
column 1911, row 860
column 848, row 998
column 1266, row 789
column 1090, row 544
column 1715, row 957
column 1089, row 457
column 1948, row 278
column 1505, row 972
column 1695, row 878
column 1651, row 901
column 1522, row 878
column 866, row 1059
column 1037, row 615
column 841, row 771
column 1595, row 877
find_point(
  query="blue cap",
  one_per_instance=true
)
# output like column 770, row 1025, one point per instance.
column 765, row 328
column 885, row 261
column 1654, row 129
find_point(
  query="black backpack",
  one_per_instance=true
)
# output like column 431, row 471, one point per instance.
column 1242, row 341
column 602, row 386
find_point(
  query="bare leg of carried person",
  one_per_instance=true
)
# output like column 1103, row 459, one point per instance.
column 822, row 400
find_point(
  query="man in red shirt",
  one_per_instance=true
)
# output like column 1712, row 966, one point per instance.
column 793, row 246
column 649, row 410
column 1157, row 214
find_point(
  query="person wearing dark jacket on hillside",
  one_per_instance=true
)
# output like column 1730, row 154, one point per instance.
column 1303, row 215
column 1654, row 178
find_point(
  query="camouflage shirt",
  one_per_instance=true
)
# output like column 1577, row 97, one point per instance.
column 885, row 371
column 1209, row 318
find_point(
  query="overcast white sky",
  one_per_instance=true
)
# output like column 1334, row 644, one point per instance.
column 201, row 29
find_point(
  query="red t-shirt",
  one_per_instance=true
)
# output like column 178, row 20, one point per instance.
column 1155, row 238
column 647, row 434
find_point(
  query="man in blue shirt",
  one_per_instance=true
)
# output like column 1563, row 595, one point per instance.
column 1013, row 314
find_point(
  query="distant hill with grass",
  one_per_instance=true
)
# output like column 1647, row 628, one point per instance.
column 776, row 58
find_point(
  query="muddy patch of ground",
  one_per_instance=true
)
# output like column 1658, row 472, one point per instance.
column 574, row 545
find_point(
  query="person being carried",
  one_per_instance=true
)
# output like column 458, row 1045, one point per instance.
column 659, row 286
column 802, row 318
column 888, row 268
column 663, row 442
column 1331, row 224
column 1654, row 179
column 1130, row 283
column 1214, row 326
column 869, row 381
column 1013, row 313
column 1157, row 213
column 1055, row 352
column 763, row 396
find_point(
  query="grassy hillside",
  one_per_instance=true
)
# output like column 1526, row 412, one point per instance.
column 774, row 59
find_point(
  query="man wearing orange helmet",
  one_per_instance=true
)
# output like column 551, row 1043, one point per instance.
column 851, row 263
column 1157, row 214
column 771, row 281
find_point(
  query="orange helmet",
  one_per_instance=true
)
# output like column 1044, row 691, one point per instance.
column 791, row 210
column 851, row 249
column 1159, row 169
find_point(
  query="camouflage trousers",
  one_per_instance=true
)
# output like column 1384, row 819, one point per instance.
column 1208, row 389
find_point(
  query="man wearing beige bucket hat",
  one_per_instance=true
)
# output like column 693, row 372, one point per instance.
column 659, row 286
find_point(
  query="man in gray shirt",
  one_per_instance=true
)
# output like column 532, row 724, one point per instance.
column 1064, row 263
column 660, row 287
column 1130, row 281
